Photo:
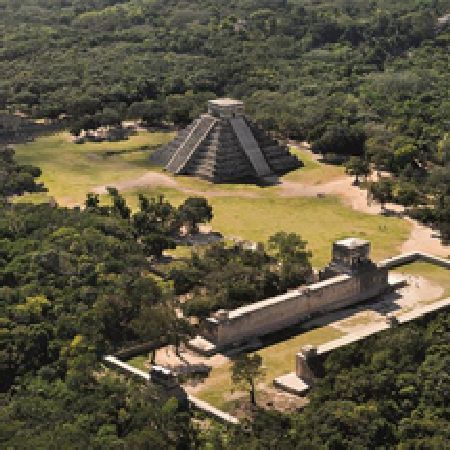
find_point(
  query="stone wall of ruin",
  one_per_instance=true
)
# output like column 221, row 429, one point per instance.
column 274, row 314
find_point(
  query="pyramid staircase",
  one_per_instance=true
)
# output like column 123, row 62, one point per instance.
column 163, row 155
column 196, row 135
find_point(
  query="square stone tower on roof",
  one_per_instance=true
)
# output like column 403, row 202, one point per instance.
column 224, row 145
column 226, row 108
column 350, row 256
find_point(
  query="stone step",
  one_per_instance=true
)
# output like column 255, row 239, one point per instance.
column 220, row 158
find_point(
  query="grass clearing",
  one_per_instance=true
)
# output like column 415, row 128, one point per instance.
column 312, row 172
column 319, row 221
column 278, row 359
column 359, row 320
column 36, row 198
column 139, row 362
column 181, row 252
column 71, row 170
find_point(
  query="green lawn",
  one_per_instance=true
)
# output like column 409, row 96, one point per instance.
column 138, row 362
column 319, row 221
column 278, row 359
column 35, row 197
column 71, row 170
column 312, row 172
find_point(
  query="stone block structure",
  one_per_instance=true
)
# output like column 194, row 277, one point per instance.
column 349, row 256
column 224, row 145
column 347, row 281
column 303, row 364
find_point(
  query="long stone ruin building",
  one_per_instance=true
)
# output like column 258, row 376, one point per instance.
column 350, row 278
column 224, row 145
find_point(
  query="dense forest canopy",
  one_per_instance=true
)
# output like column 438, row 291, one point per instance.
column 74, row 284
column 368, row 79
column 323, row 59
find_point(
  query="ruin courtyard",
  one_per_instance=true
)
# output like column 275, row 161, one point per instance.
column 415, row 295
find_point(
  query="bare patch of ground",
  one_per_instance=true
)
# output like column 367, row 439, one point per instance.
column 156, row 179
column 166, row 357
column 150, row 179
column 267, row 398
column 358, row 320
column 426, row 240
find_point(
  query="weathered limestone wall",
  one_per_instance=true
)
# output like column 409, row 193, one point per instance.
column 116, row 364
column 285, row 310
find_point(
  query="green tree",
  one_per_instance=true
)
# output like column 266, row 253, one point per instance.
column 357, row 167
column 152, row 324
column 293, row 257
column 92, row 201
column 154, row 244
column 119, row 205
column 195, row 210
column 406, row 193
column 341, row 140
column 246, row 370
column 382, row 191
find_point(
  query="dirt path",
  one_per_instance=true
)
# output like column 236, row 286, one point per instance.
column 156, row 179
column 166, row 357
column 150, row 179
column 424, row 239
column 342, row 187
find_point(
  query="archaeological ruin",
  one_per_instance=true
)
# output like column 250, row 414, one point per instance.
column 309, row 360
column 350, row 278
column 224, row 145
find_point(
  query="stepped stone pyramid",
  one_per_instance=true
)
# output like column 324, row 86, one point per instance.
column 225, row 146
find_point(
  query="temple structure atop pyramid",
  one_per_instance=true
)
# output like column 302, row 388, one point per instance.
column 225, row 146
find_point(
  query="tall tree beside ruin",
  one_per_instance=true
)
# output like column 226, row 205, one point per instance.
column 382, row 191
column 246, row 371
column 151, row 326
